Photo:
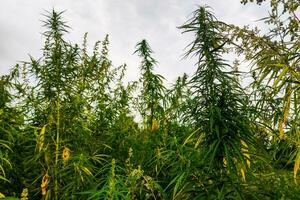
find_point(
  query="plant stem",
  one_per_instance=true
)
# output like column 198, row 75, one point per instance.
column 57, row 149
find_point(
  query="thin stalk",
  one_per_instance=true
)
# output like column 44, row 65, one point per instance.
column 57, row 149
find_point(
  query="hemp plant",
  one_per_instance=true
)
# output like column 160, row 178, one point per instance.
column 153, row 90
column 218, row 108
column 274, row 55
column 59, row 114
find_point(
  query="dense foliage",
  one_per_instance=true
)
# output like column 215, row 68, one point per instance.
column 71, row 127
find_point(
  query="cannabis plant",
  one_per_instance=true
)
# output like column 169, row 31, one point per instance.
column 152, row 92
column 219, row 107
column 274, row 55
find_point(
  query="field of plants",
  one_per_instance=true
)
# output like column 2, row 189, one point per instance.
column 69, row 127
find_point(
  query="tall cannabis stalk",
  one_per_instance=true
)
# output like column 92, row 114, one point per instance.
column 57, row 65
column 218, row 107
column 153, row 89
column 56, row 114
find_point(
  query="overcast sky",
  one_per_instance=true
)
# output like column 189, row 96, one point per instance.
column 127, row 22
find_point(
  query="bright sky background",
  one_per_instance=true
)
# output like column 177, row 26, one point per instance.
column 127, row 22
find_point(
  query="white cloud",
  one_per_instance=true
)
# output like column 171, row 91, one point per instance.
column 127, row 22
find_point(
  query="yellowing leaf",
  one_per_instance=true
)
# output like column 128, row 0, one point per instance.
column 24, row 194
column 243, row 174
column 154, row 126
column 199, row 140
column 283, row 72
column 41, row 138
column 2, row 195
column 66, row 154
column 44, row 184
column 296, row 165
column 225, row 162
column 245, row 151
column 280, row 128
column 87, row 171
column 287, row 109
